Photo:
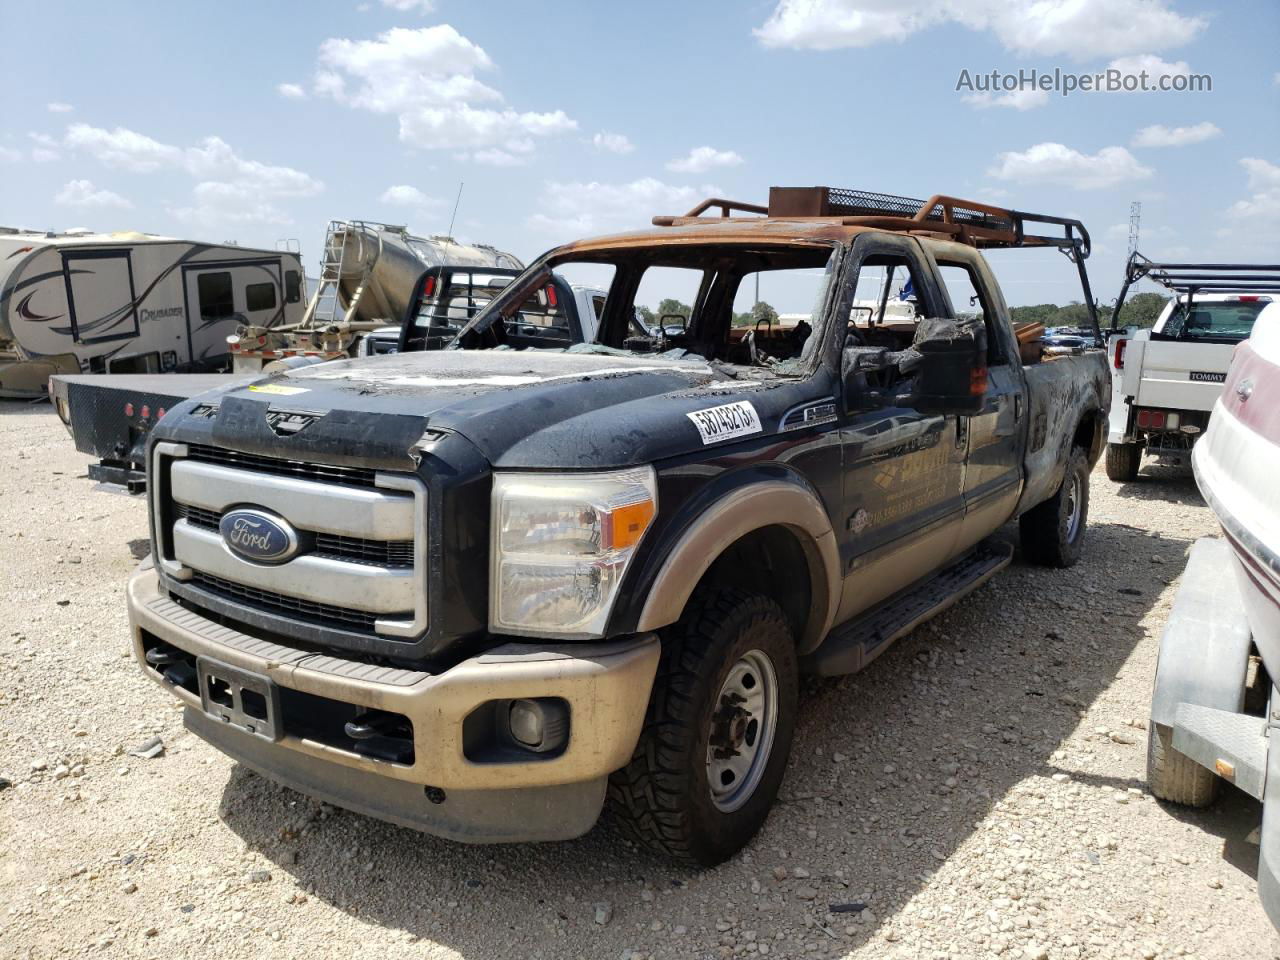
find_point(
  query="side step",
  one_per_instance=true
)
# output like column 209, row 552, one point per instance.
column 850, row 647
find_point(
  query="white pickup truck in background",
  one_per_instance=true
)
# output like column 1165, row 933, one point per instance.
column 1165, row 380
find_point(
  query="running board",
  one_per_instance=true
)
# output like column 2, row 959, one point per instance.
column 850, row 647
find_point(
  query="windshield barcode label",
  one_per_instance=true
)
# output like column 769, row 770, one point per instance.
column 726, row 422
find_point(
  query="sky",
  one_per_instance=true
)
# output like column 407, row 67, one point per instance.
column 257, row 122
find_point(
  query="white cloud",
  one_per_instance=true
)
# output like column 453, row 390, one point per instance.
column 82, row 193
column 1264, row 204
column 122, row 148
column 612, row 142
column 1154, row 67
column 570, row 210
column 427, row 79
column 217, row 202
column 410, row 6
column 57, row 107
column 1078, row 28
column 497, row 157
column 212, row 158
column 1024, row 98
column 9, row 155
column 231, row 188
column 291, row 91
column 1158, row 135
column 215, row 158
column 404, row 195
column 702, row 159
column 1055, row 163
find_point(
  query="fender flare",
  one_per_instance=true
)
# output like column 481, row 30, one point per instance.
column 1204, row 651
column 741, row 511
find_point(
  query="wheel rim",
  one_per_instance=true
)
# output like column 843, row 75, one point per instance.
column 742, row 729
column 1075, row 507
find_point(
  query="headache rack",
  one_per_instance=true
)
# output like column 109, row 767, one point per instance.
column 964, row 221
column 1191, row 278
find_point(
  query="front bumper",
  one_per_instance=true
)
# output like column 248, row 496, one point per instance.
column 442, row 790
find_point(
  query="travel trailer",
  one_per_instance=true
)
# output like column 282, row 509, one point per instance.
column 132, row 303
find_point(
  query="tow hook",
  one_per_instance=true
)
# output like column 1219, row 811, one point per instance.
column 382, row 735
column 172, row 664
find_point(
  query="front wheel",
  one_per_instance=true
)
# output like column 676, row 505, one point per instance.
column 718, row 730
column 1052, row 533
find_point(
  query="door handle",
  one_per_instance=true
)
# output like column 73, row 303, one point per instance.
column 1017, row 406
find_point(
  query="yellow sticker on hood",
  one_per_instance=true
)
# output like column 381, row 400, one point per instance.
column 277, row 388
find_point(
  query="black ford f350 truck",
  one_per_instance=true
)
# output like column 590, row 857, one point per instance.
column 482, row 590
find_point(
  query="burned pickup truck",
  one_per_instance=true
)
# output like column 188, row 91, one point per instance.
column 481, row 590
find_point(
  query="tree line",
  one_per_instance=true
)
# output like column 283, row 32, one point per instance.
column 1140, row 310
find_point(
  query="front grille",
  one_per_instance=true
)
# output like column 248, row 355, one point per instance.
column 321, row 472
column 381, row 553
column 358, row 587
column 378, row 553
column 198, row 516
column 323, row 614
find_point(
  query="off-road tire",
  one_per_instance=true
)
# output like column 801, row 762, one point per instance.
column 1048, row 538
column 1174, row 776
column 661, row 798
column 1123, row 461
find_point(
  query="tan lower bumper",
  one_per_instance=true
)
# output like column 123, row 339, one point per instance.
column 606, row 685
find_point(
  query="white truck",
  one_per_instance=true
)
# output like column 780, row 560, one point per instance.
column 1167, row 379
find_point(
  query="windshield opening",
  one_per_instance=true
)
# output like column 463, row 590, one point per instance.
column 749, row 308
column 1214, row 319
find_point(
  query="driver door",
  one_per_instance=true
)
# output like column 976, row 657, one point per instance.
column 903, row 485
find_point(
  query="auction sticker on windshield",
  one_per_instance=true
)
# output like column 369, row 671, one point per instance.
column 726, row 422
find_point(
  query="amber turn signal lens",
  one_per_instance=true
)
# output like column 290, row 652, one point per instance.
column 627, row 524
column 977, row 381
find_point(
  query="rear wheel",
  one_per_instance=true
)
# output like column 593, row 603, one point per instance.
column 1052, row 533
column 1174, row 776
column 1123, row 461
column 718, row 731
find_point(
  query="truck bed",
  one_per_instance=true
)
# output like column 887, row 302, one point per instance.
column 110, row 414
column 1059, row 389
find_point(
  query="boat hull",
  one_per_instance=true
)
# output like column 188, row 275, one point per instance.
column 1237, row 467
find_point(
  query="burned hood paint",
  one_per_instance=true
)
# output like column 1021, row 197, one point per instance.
column 530, row 409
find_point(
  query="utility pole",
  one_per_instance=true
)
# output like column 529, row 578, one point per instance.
column 1135, row 217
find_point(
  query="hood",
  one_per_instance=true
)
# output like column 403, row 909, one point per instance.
column 521, row 409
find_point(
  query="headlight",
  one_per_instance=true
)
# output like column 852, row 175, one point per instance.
column 561, row 544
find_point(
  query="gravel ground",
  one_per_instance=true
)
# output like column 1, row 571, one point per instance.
column 979, row 788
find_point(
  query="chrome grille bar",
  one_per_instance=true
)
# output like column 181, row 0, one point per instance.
column 384, row 520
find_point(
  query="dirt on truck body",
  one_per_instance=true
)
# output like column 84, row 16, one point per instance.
column 479, row 590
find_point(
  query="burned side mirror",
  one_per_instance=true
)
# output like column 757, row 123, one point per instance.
column 950, row 366
column 862, row 372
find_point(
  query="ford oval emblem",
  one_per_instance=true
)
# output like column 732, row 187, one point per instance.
column 258, row 536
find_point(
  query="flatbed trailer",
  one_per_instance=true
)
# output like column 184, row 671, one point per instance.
column 110, row 416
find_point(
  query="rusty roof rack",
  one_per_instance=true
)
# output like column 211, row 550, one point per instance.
column 967, row 221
